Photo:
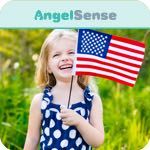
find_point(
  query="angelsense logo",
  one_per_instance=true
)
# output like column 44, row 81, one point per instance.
column 57, row 17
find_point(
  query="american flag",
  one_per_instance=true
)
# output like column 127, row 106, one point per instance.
column 108, row 56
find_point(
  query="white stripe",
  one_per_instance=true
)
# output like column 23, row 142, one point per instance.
column 127, row 45
column 107, row 67
column 106, row 73
column 124, row 59
column 123, row 51
column 109, row 61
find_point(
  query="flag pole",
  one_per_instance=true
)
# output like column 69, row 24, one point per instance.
column 70, row 92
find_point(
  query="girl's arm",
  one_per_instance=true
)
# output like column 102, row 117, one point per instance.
column 93, row 133
column 33, row 133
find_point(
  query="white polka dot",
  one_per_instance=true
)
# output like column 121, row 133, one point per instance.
column 82, row 112
column 64, row 143
column 58, row 116
column 54, row 149
column 46, row 131
column 47, row 114
column 49, row 94
column 44, row 105
column 46, row 99
column 52, row 123
column 65, row 127
column 83, row 147
column 57, row 134
column 42, row 138
column 83, row 102
column 50, row 141
column 89, row 99
column 43, row 146
column 72, row 149
column 43, row 123
column 72, row 134
column 77, row 109
column 78, row 141
column 53, row 109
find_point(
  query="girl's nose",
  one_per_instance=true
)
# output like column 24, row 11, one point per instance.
column 65, row 58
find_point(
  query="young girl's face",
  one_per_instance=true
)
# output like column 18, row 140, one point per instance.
column 61, row 58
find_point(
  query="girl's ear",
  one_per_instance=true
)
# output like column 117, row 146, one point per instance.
column 48, row 69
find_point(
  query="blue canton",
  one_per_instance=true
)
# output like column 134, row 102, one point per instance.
column 93, row 43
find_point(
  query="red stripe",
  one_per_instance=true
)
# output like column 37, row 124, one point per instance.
column 125, row 55
column 124, row 62
column 105, row 76
column 107, row 70
column 129, row 41
column 126, row 48
column 107, row 64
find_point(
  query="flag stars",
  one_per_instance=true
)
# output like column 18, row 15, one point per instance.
column 93, row 43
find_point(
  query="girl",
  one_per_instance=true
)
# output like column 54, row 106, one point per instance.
column 57, row 127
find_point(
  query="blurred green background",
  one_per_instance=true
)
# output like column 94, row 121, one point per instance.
column 126, row 109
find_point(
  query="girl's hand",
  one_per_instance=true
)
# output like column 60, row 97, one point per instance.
column 70, row 117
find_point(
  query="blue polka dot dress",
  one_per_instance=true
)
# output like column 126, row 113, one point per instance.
column 54, row 134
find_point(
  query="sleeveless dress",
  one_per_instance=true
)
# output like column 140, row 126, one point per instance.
column 54, row 134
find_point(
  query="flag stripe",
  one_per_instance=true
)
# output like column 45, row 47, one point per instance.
column 124, row 59
column 129, row 41
column 106, row 73
column 114, row 71
column 127, row 45
column 108, row 62
column 123, row 51
column 105, row 76
column 105, row 65
column 124, row 62
column 124, row 55
column 126, row 48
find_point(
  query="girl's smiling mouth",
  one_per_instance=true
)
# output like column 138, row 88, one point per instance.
column 65, row 67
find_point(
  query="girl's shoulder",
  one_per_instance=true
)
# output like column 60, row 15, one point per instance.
column 36, row 102
column 38, row 96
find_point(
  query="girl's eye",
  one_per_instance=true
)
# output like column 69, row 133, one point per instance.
column 71, row 53
column 55, row 55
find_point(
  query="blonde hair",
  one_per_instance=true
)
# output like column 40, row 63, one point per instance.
column 42, row 77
